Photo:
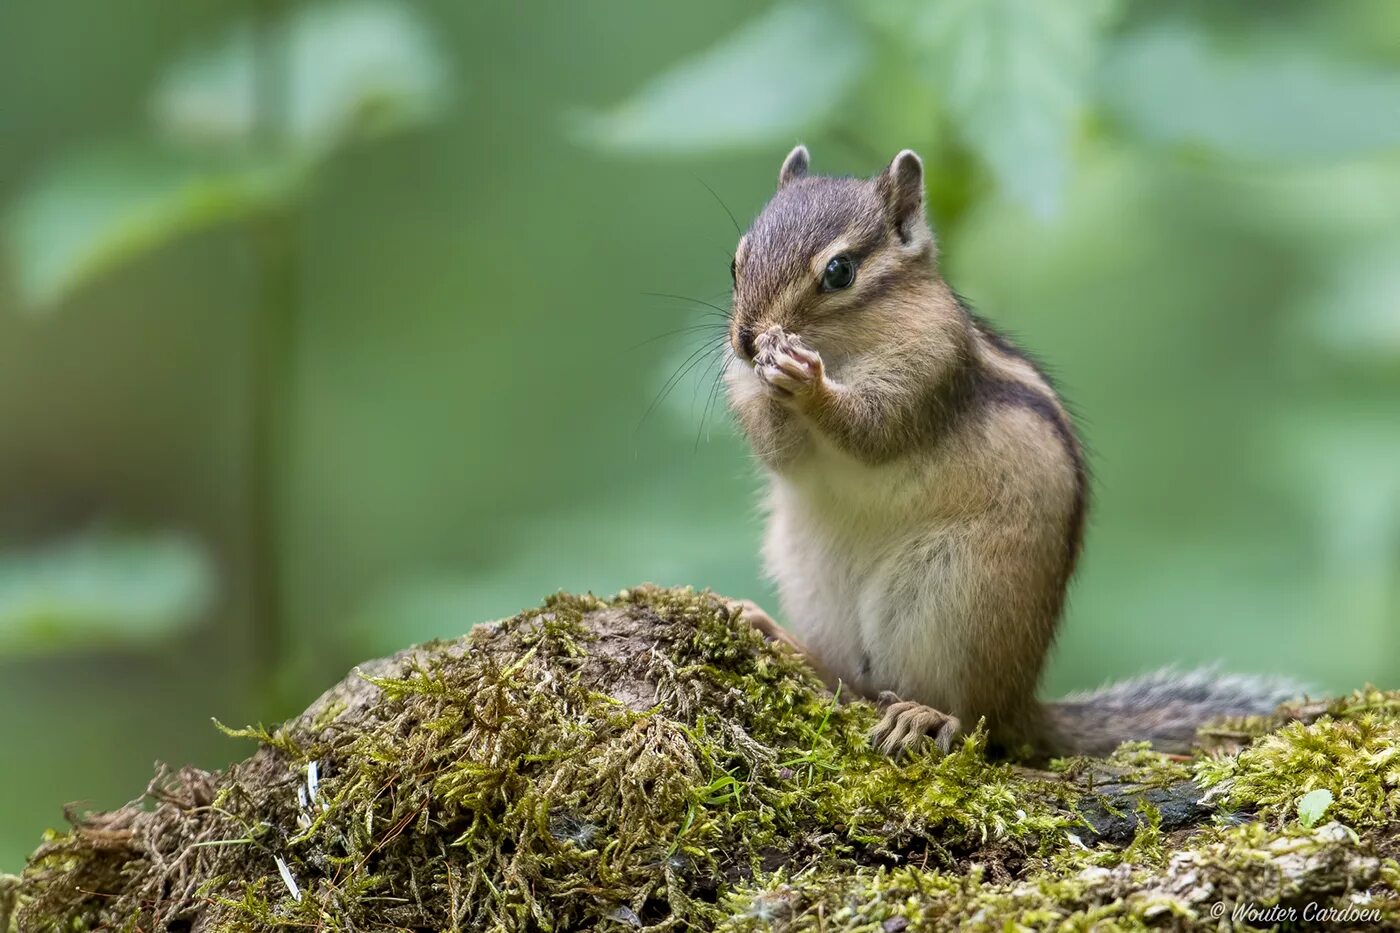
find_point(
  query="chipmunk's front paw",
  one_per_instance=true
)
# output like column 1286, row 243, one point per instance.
column 750, row 613
column 788, row 368
column 907, row 725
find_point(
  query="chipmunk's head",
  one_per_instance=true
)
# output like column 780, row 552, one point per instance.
column 830, row 258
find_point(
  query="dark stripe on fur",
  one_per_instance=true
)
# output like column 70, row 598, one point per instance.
column 1062, row 423
column 1020, row 395
column 874, row 288
column 1004, row 343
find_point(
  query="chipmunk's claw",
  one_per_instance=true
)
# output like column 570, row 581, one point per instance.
column 906, row 725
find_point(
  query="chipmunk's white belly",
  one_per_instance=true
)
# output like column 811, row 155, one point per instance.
column 867, row 575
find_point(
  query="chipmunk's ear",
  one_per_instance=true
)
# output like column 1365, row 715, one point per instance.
column 794, row 166
column 901, row 187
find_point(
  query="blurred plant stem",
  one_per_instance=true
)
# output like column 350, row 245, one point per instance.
column 270, row 411
column 277, row 248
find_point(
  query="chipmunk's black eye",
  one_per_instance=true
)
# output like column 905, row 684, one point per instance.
column 839, row 274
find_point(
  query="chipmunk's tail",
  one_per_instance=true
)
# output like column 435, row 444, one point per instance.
column 1165, row 708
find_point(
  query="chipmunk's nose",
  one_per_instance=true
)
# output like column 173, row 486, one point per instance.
column 745, row 340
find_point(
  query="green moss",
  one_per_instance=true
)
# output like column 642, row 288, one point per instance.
column 1239, row 865
column 1357, row 758
column 648, row 761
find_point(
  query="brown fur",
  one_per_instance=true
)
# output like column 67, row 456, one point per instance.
column 928, row 486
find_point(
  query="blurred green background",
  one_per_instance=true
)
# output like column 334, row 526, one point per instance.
column 326, row 328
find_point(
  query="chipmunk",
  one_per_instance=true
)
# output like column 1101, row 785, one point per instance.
column 927, row 489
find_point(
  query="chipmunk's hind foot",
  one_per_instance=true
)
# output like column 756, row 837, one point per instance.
column 906, row 725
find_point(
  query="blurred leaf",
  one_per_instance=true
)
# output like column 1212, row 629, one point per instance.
column 1014, row 76
column 352, row 69
column 101, row 588
column 779, row 75
column 1355, row 309
column 1312, row 806
column 1265, row 102
column 92, row 213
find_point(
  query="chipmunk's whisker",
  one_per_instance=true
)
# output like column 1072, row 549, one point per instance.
column 720, row 201
column 690, row 362
column 721, row 309
column 716, row 382
column 708, row 327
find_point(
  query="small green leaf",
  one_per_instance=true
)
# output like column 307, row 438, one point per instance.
column 1014, row 76
column 351, row 70
column 1312, row 806
column 101, row 588
column 92, row 213
column 1264, row 102
column 783, row 73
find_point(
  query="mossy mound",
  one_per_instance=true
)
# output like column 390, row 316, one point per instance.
column 647, row 762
